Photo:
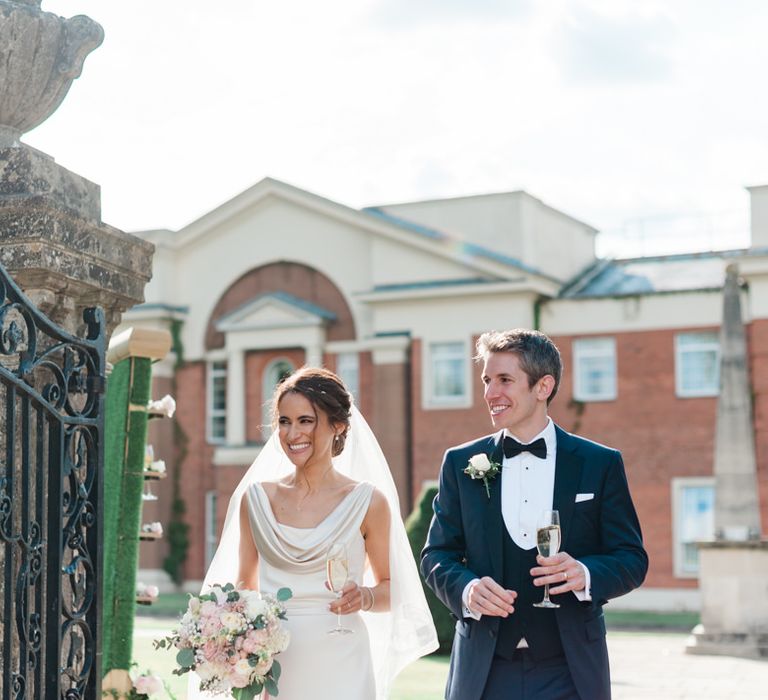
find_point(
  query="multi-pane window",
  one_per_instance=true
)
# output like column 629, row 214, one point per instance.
column 448, row 364
column 273, row 375
column 694, row 521
column 594, row 373
column 348, row 368
column 217, row 401
column 211, row 538
column 697, row 364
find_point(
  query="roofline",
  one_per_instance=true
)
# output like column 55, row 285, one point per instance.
column 729, row 252
column 516, row 193
column 474, row 256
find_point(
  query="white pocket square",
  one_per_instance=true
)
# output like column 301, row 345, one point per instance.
column 584, row 497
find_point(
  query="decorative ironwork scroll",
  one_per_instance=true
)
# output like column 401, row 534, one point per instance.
column 51, row 454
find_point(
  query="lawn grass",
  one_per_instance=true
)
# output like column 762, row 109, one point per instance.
column 167, row 605
column 422, row 680
column 650, row 620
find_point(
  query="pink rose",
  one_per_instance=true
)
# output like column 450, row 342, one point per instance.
column 148, row 685
column 211, row 627
column 208, row 609
column 210, row 650
column 239, row 681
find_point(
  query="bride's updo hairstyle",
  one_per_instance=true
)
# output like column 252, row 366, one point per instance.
column 327, row 394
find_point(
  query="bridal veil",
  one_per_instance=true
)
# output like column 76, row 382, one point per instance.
column 399, row 636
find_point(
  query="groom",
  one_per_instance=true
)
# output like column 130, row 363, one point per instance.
column 481, row 560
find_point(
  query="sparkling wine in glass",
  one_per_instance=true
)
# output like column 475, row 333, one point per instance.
column 337, row 574
column 548, row 543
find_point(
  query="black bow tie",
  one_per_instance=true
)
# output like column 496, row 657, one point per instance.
column 538, row 448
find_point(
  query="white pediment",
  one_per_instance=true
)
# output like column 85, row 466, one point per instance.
column 271, row 311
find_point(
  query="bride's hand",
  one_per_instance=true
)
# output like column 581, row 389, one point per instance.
column 350, row 601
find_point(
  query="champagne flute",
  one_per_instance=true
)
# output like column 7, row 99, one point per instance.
column 548, row 543
column 337, row 574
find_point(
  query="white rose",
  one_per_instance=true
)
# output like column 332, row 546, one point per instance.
column 263, row 666
column 254, row 607
column 166, row 406
column 157, row 466
column 232, row 621
column 480, row 463
column 243, row 667
column 280, row 640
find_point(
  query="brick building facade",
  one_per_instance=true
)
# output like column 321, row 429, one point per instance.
column 393, row 299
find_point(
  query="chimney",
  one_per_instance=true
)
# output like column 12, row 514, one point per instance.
column 759, row 215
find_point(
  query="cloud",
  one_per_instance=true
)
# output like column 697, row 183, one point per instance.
column 593, row 48
column 409, row 13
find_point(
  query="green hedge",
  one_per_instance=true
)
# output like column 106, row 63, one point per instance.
column 417, row 526
column 125, row 441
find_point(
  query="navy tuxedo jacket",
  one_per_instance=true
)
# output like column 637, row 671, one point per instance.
column 465, row 542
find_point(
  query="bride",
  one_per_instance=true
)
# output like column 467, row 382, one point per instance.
column 320, row 480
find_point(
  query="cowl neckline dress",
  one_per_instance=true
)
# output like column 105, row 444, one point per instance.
column 316, row 665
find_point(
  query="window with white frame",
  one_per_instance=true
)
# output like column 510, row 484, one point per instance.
column 594, row 369
column 276, row 371
column 693, row 512
column 697, row 364
column 448, row 374
column 217, row 401
column 348, row 368
column 211, row 535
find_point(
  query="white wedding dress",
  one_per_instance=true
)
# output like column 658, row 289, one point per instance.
column 316, row 665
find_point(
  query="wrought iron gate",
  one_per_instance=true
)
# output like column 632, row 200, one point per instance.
column 51, row 454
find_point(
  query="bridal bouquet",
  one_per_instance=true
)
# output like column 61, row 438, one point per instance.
column 230, row 637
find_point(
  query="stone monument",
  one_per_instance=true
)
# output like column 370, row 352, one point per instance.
column 733, row 574
column 52, row 239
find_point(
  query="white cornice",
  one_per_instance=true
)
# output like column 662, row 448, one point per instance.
column 255, row 316
column 528, row 285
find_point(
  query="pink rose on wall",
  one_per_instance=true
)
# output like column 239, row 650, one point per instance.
column 148, row 684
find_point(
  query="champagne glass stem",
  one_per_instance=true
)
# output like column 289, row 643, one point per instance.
column 546, row 593
column 338, row 612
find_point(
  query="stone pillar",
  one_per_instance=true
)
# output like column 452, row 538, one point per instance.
column 235, row 429
column 52, row 239
column 733, row 574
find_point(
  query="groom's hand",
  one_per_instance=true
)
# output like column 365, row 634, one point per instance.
column 561, row 571
column 488, row 598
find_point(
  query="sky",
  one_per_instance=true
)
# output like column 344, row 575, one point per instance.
column 645, row 119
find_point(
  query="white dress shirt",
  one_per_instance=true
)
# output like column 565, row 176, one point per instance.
column 527, row 489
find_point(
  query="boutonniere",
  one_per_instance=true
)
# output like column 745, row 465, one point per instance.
column 480, row 467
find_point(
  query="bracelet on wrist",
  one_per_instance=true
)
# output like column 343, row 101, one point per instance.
column 372, row 598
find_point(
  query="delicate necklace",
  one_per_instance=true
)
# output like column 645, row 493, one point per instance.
column 300, row 505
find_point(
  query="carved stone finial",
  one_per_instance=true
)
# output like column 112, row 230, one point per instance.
column 42, row 54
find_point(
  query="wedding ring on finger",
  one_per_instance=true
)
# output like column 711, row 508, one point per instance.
column 565, row 575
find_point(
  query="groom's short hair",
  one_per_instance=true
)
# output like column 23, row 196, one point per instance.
column 537, row 354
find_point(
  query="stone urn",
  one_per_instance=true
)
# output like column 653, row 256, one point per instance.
column 40, row 55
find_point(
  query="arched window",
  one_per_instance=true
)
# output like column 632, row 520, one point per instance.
column 276, row 371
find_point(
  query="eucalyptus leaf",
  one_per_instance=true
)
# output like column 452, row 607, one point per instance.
column 284, row 594
column 249, row 692
column 275, row 671
column 271, row 686
column 185, row 657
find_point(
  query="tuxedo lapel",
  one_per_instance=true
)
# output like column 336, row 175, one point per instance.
column 568, row 466
column 493, row 522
